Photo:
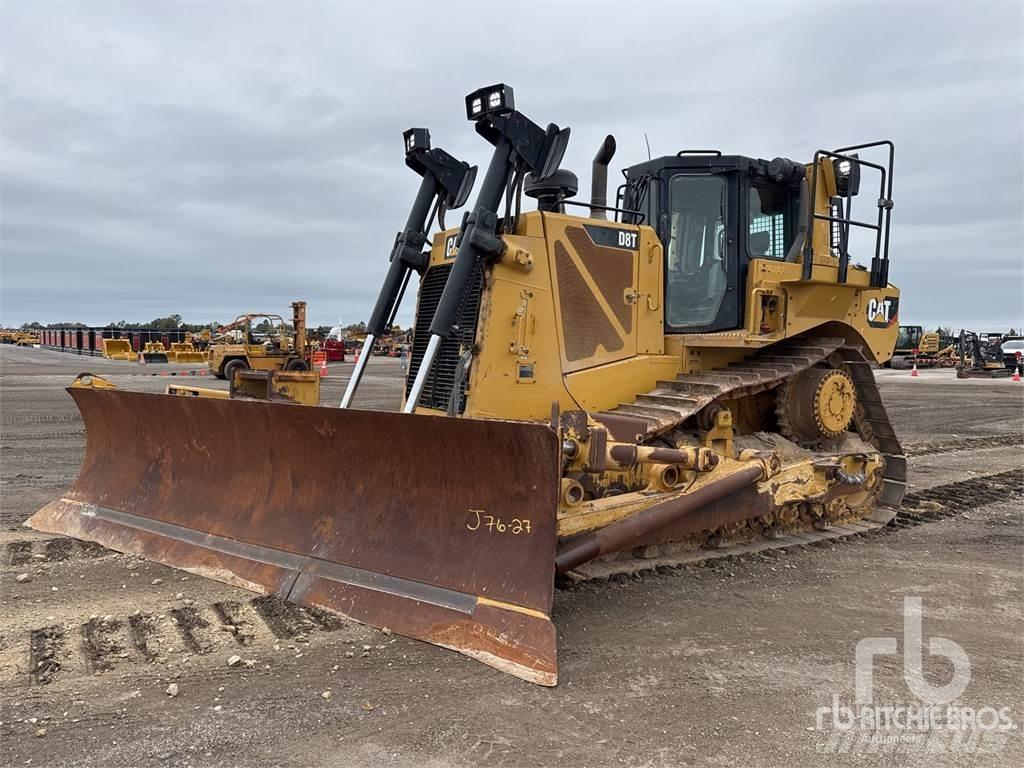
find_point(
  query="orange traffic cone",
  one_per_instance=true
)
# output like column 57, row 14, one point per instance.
column 323, row 366
column 1016, row 374
column 914, row 372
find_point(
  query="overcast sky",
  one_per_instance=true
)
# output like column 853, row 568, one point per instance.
column 215, row 158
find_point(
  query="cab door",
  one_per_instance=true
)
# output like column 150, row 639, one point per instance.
column 702, row 280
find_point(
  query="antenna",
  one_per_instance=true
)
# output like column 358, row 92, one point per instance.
column 648, row 143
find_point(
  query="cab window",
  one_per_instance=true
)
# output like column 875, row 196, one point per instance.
column 770, row 222
column 696, row 256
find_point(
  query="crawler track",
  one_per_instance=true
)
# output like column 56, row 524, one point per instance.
column 673, row 402
column 931, row 505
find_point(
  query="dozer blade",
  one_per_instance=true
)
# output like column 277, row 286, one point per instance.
column 440, row 529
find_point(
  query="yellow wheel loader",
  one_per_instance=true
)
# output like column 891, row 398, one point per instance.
column 119, row 349
column 186, row 352
column 594, row 389
column 239, row 349
column 154, row 352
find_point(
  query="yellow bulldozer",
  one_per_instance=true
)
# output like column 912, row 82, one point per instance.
column 683, row 373
column 281, row 349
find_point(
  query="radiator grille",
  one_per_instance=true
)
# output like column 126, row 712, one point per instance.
column 438, row 386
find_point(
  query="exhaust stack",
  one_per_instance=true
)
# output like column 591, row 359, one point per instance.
column 599, row 177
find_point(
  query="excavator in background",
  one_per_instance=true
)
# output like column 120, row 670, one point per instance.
column 587, row 396
column 915, row 346
column 282, row 349
column 981, row 356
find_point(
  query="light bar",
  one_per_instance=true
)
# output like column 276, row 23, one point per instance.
column 492, row 100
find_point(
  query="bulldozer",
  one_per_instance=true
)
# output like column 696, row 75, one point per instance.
column 281, row 350
column 594, row 389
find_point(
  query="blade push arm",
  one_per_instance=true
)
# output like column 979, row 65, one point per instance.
column 445, row 181
column 519, row 144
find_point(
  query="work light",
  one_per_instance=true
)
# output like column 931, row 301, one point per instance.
column 416, row 140
column 847, row 173
column 492, row 100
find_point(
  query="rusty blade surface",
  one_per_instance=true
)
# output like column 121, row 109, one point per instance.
column 440, row 529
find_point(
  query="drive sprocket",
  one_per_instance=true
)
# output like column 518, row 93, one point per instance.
column 816, row 406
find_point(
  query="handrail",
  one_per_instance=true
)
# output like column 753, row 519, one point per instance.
column 880, row 261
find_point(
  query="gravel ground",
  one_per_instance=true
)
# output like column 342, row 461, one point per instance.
column 109, row 660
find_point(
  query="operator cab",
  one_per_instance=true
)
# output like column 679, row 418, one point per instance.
column 714, row 213
column 909, row 337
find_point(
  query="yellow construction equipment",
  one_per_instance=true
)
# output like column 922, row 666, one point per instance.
column 185, row 352
column 981, row 356
column 154, row 352
column 280, row 349
column 19, row 338
column 297, row 387
column 187, row 390
column 915, row 346
column 119, row 349
column 586, row 396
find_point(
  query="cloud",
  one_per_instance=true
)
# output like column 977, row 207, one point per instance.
column 216, row 158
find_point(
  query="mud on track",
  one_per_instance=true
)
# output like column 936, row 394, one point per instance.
column 722, row 663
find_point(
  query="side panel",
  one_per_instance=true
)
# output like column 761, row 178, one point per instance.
column 536, row 345
column 872, row 314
